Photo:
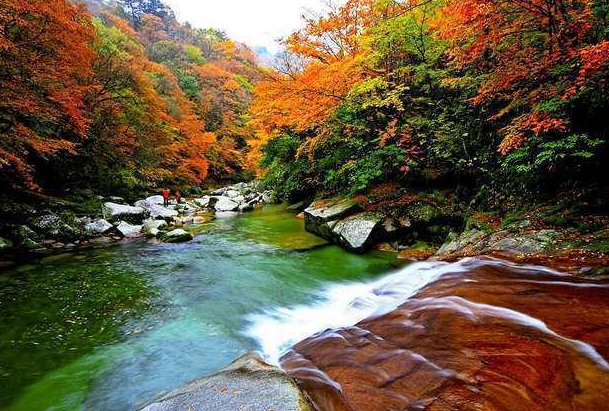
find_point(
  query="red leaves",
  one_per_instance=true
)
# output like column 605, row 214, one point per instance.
column 45, row 61
column 515, row 47
column 593, row 59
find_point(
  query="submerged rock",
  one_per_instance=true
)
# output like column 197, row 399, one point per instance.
column 120, row 212
column 247, row 384
column 176, row 236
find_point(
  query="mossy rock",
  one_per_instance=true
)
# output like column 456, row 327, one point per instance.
column 62, row 226
column 5, row 244
column 26, row 238
column 424, row 213
column 175, row 236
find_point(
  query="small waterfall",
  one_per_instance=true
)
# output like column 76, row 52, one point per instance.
column 342, row 305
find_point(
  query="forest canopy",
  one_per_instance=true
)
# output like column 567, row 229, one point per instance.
column 124, row 98
column 485, row 98
column 507, row 96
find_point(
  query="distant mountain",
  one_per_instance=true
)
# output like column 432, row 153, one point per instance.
column 265, row 57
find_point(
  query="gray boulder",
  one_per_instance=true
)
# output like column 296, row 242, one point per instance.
column 120, row 212
column 163, row 213
column 175, row 236
column 232, row 193
column 226, row 204
column 152, row 228
column 321, row 216
column 357, row 232
column 98, row 227
column 205, row 202
column 247, row 384
column 219, row 192
column 129, row 231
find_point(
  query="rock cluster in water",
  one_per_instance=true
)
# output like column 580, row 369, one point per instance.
column 55, row 232
column 345, row 222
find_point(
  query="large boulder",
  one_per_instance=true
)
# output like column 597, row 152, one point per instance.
column 226, row 204
column 152, row 200
column 162, row 213
column 232, row 193
column 247, row 384
column 476, row 242
column 152, row 228
column 205, row 202
column 176, row 236
column 357, row 232
column 154, row 206
column 120, row 212
column 322, row 215
column 98, row 227
column 129, row 231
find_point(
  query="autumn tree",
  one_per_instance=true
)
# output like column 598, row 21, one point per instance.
column 527, row 53
column 46, row 60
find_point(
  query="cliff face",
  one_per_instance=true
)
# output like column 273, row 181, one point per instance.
column 496, row 337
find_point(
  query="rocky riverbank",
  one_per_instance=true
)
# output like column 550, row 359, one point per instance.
column 46, row 232
column 421, row 229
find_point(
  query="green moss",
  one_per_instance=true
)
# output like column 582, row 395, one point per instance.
column 511, row 221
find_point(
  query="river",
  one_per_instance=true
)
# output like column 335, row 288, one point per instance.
column 110, row 329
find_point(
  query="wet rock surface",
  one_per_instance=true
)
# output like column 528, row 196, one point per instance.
column 495, row 337
column 247, row 384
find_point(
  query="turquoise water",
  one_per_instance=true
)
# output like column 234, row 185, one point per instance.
column 111, row 329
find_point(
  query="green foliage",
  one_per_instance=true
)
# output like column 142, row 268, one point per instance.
column 194, row 54
column 164, row 51
column 286, row 174
column 190, row 86
column 565, row 154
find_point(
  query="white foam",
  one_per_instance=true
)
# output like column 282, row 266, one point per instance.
column 341, row 305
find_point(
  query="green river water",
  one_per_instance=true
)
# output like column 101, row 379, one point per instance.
column 110, row 329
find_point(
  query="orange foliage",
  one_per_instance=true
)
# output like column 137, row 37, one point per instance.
column 517, row 45
column 323, row 63
column 45, row 71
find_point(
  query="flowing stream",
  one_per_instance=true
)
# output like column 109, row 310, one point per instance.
column 110, row 329
column 113, row 328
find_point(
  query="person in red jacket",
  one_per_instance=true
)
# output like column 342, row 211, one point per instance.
column 165, row 194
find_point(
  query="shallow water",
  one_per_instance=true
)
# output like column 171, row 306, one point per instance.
column 111, row 329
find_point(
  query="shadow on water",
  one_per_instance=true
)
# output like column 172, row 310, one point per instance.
column 110, row 329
